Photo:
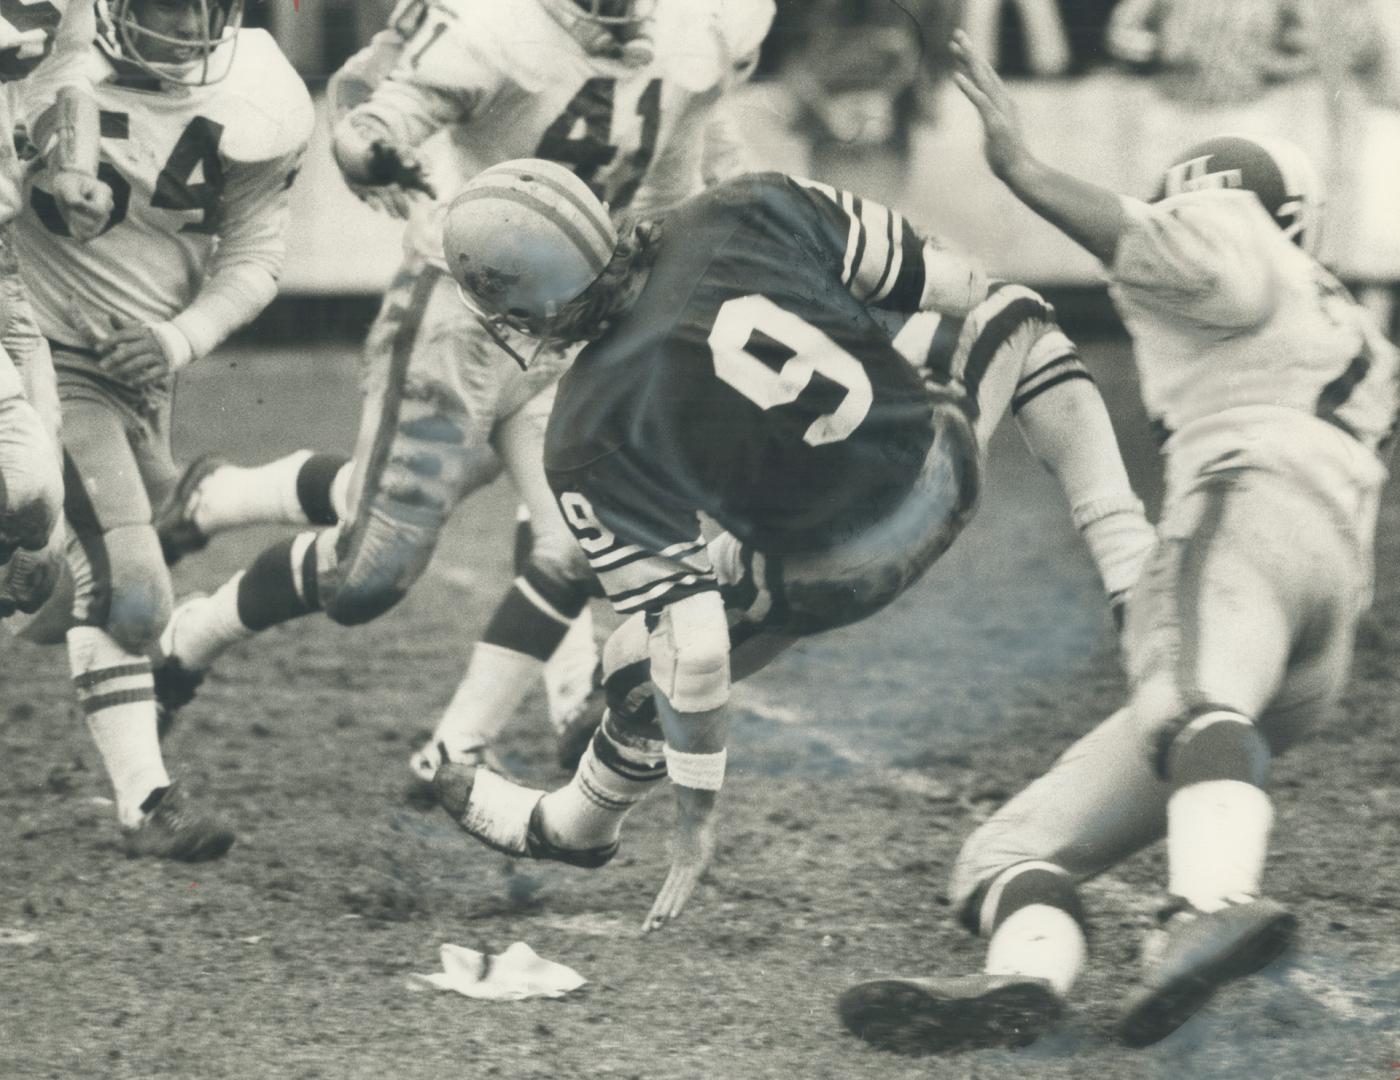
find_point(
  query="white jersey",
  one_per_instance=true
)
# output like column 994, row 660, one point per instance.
column 199, row 177
column 69, row 28
column 1248, row 351
column 507, row 80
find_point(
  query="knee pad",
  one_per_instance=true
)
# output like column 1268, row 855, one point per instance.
column 132, row 594
column 1017, row 887
column 689, row 650
column 1214, row 744
column 31, row 479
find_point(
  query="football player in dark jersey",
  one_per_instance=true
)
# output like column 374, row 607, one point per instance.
column 762, row 438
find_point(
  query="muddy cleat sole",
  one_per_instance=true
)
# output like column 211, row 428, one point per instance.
column 172, row 829
column 1205, row 951
column 505, row 816
column 935, row 1016
column 175, row 526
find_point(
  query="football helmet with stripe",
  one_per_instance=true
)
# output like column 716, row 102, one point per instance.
column 184, row 42
column 524, row 240
column 1279, row 173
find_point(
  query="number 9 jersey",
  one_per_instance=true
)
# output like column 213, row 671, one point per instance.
column 199, row 179
column 751, row 383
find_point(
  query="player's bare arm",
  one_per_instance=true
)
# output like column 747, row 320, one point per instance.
column 1090, row 215
column 695, row 752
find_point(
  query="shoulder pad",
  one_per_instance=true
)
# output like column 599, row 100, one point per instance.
column 263, row 104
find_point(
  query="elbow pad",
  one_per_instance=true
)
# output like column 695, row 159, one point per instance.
column 689, row 650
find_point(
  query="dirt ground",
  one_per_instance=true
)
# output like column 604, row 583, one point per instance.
column 858, row 764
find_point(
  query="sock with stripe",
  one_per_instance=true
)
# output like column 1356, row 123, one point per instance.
column 271, row 591
column 302, row 488
column 1032, row 914
column 616, row 772
column 117, row 696
column 524, row 632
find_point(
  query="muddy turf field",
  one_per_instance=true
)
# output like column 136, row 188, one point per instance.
column 858, row 764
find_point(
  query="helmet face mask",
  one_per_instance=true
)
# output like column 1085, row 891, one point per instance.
column 613, row 29
column 616, row 13
column 1278, row 173
column 183, row 42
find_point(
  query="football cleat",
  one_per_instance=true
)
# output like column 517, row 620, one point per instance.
column 172, row 829
column 28, row 578
column 176, row 686
column 505, row 816
column 943, row 1015
column 175, row 524
column 1201, row 952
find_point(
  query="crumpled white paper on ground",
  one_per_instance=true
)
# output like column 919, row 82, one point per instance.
column 513, row 975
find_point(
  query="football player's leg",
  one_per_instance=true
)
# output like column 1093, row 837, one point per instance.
column 530, row 622
column 1013, row 881
column 422, row 445
column 122, row 600
column 1220, row 613
column 213, row 496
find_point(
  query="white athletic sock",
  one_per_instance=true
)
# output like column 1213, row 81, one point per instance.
column 568, row 673
column 589, row 810
column 232, row 496
column 117, row 696
column 1039, row 940
column 203, row 627
column 1217, row 840
column 486, row 699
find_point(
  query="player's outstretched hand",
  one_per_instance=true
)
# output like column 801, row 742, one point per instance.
column 84, row 201
column 692, row 848
column 1004, row 144
column 131, row 353
column 368, row 159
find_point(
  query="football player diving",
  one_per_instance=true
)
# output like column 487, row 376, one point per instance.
column 775, row 427
column 1277, row 396
column 622, row 92
column 203, row 128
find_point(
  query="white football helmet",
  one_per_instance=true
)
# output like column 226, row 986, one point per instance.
column 1277, row 171
column 618, row 29
column 127, row 41
column 524, row 240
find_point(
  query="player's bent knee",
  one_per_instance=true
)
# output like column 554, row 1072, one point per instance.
column 370, row 568
column 689, row 649
column 998, row 896
column 1219, row 744
column 139, row 598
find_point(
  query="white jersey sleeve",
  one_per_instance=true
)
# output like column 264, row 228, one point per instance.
column 1200, row 257
column 356, row 79
column 241, row 277
column 445, row 74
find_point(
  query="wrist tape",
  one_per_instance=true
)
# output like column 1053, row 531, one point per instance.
column 704, row 772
